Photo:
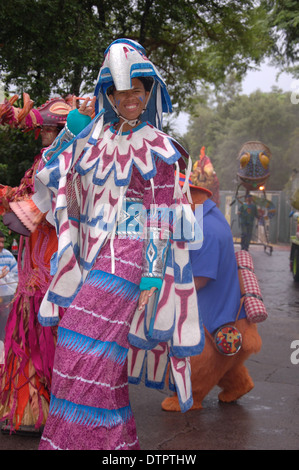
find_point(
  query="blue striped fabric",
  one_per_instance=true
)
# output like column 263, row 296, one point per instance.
column 85, row 345
column 113, row 284
column 89, row 415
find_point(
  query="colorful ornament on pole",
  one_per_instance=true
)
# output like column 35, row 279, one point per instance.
column 254, row 161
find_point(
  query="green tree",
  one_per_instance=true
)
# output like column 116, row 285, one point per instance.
column 284, row 22
column 9, row 235
column 223, row 128
column 57, row 45
column 17, row 151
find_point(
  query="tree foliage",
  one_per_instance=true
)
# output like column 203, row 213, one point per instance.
column 224, row 126
column 57, row 46
column 17, row 152
column 284, row 22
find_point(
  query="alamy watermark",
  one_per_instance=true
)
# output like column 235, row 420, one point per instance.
column 176, row 221
column 295, row 353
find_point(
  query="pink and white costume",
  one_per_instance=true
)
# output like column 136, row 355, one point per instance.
column 120, row 218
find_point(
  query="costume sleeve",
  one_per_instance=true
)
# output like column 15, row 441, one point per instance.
column 75, row 123
column 56, row 172
column 59, row 145
column 205, row 261
column 158, row 202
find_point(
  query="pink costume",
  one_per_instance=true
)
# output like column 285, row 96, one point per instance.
column 118, row 212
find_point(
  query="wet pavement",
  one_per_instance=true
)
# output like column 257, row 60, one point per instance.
column 267, row 418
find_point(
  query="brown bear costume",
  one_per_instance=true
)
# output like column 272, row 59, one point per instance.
column 212, row 368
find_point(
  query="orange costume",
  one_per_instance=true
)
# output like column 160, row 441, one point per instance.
column 211, row 368
column 25, row 377
column 204, row 175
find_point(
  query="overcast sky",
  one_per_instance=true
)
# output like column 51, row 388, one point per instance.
column 263, row 80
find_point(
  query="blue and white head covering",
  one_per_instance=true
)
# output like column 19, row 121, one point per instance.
column 125, row 59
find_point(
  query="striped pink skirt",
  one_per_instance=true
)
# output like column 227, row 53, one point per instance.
column 90, row 407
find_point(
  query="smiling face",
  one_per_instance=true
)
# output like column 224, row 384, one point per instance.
column 130, row 103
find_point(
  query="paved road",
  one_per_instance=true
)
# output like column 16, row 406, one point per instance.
column 267, row 418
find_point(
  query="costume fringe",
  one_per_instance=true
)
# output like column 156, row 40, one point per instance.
column 84, row 344
column 113, row 284
column 88, row 415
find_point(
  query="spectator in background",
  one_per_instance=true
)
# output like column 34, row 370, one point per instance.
column 8, row 285
column 8, row 265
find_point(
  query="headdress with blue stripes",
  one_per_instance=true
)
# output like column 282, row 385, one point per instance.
column 125, row 59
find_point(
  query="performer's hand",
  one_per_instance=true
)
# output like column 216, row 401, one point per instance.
column 144, row 297
column 87, row 107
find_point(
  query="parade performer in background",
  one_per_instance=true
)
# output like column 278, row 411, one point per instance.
column 253, row 173
column 247, row 215
column 120, row 257
column 204, row 175
column 25, row 379
column 219, row 297
column 254, row 166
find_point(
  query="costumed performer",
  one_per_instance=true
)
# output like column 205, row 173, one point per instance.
column 29, row 348
column 204, row 175
column 247, row 215
column 111, row 187
column 216, row 278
